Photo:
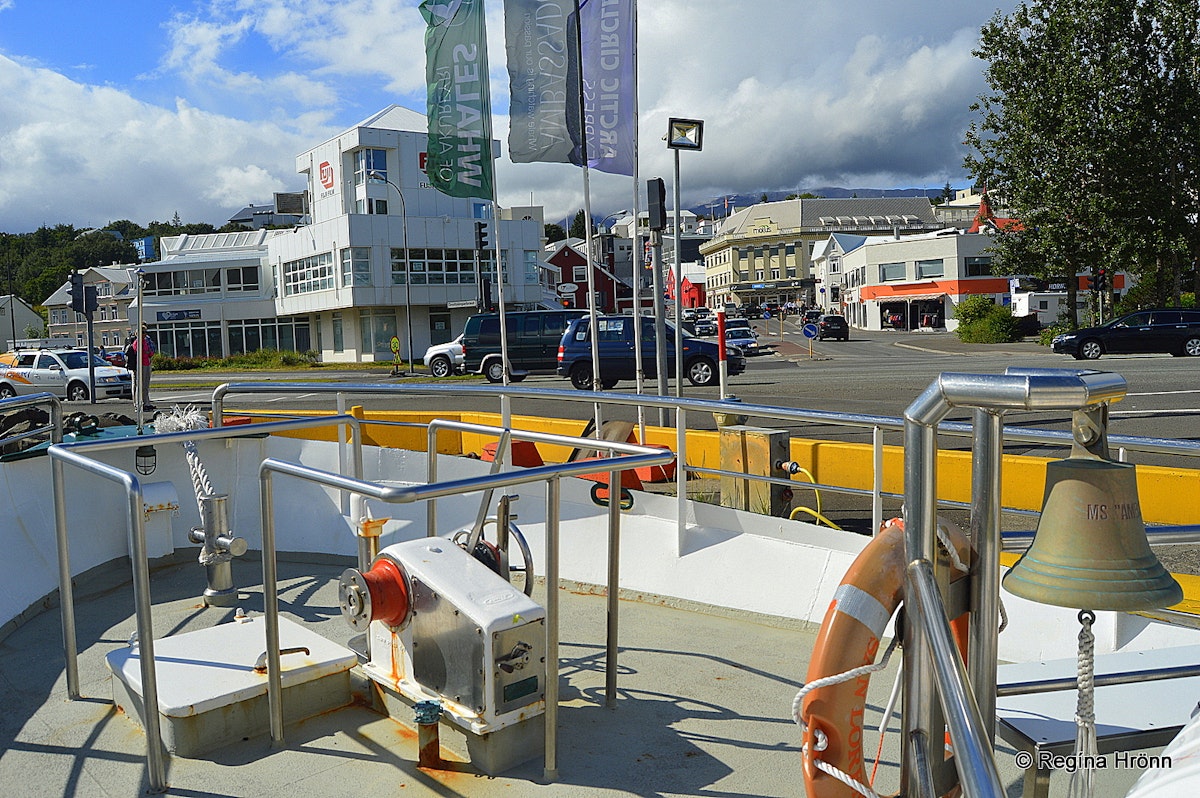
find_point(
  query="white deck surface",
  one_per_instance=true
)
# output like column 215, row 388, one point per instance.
column 703, row 709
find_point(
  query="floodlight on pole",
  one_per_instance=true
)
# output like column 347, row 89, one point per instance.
column 375, row 175
column 682, row 134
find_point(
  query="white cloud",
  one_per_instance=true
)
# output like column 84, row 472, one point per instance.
column 794, row 95
column 83, row 155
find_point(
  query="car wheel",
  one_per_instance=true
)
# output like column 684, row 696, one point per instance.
column 845, row 337
column 701, row 372
column 1191, row 347
column 516, row 377
column 494, row 371
column 581, row 376
column 608, row 385
column 440, row 366
column 1091, row 350
column 6, row 392
column 77, row 392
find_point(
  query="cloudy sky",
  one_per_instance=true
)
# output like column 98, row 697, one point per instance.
column 138, row 109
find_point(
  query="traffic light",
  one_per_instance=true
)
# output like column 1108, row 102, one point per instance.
column 481, row 235
column 656, row 193
column 75, row 291
column 1100, row 279
column 567, row 302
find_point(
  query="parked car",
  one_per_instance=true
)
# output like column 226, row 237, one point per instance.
column 1172, row 330
column 533, row 337
column 689, row 314
column 706, row 326
column 617, row 360
column 744, row 340
column 731, row 310
column 831, row 325
column 445, row 359
column 62, row 372
column 812, row 315
column 740, row 324
column 114, row 358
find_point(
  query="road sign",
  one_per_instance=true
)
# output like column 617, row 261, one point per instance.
column 766, row 314
column 395, row 344
column 462, row 303
column 810, row 330
column 567, row 288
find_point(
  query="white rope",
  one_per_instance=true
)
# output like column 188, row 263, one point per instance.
column 821, row 742
column 1082, row 784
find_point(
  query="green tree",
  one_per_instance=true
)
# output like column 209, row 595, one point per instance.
column 579, row 226
column 554, row 232
column 1088, row 133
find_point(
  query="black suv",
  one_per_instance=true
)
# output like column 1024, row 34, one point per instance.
column 1172, row 330
column 617, row 359
column 830, row 325
column 533, row 337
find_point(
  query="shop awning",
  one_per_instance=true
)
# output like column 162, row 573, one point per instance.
column 911, row 297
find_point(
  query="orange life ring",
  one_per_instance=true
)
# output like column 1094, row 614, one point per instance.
column 865, row 601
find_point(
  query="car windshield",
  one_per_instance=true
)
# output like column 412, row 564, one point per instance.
column 79, row 360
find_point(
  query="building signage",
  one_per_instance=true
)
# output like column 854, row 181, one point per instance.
column 567, row 288
column 462, row 303
column 326, row 174
column 177, row 315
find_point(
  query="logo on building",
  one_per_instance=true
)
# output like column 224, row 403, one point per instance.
column 326, row 174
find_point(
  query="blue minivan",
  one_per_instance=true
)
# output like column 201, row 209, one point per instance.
column 617, row 361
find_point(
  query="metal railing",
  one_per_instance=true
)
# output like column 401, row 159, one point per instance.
column 53, row 429
column 877, row 424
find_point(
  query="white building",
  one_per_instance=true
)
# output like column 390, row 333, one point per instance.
column 384, row 255
column 914, row 282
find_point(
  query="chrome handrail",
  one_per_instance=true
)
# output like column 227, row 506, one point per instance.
column 624, row 456
column 77, row 454
column 55, row 425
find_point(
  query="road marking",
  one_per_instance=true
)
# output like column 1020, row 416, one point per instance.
column 292, row 397
column 1166, row 412
column 1162, row 393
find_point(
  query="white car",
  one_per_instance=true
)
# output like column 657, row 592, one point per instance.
column 442, row 360
column 62, row 372
column 744, row 340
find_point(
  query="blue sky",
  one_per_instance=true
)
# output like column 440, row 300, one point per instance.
column 139, row 109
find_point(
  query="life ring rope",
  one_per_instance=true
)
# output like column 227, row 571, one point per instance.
column 866, row 599
column 838, row 678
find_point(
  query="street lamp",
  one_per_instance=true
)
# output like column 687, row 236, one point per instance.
column 375, row 175
column 682, row 134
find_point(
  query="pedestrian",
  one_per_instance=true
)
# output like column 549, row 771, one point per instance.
column 143, row 350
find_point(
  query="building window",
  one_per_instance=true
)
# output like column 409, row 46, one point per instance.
column 339, row 344
column 185, row 281
column 189, row 339
column 891, row 271
column 303, row 276
column 930, row 268
column 377, row 328
column 285, row 334
column 978, row 266
column 580, row 274
column 399, row 267
column 367, row 161
column 244, row 278
column 371, row 205
column 1043, row 304
column 435, row 266
column 356, row 266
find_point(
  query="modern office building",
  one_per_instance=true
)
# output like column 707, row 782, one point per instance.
column 384, row 256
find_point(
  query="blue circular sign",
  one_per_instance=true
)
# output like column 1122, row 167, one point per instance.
column 810, row 330
column 766, row 314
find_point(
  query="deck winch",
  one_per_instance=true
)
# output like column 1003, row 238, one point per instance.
column 443, row 625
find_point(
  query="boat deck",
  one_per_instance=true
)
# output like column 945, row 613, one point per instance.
column 703, row 708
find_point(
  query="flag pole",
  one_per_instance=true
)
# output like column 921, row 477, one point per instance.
column 593, row 324
column 638, row 255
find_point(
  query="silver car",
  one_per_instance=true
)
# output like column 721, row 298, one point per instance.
column 442, row 360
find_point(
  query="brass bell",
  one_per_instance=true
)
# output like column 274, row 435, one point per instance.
column 1090, row 550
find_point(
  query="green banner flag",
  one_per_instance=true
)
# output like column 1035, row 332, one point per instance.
column 459, row 162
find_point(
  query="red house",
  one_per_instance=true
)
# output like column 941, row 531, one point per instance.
column 612, row 294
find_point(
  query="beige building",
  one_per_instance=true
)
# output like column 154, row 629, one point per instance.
column 764, row 253
column 115, row 292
